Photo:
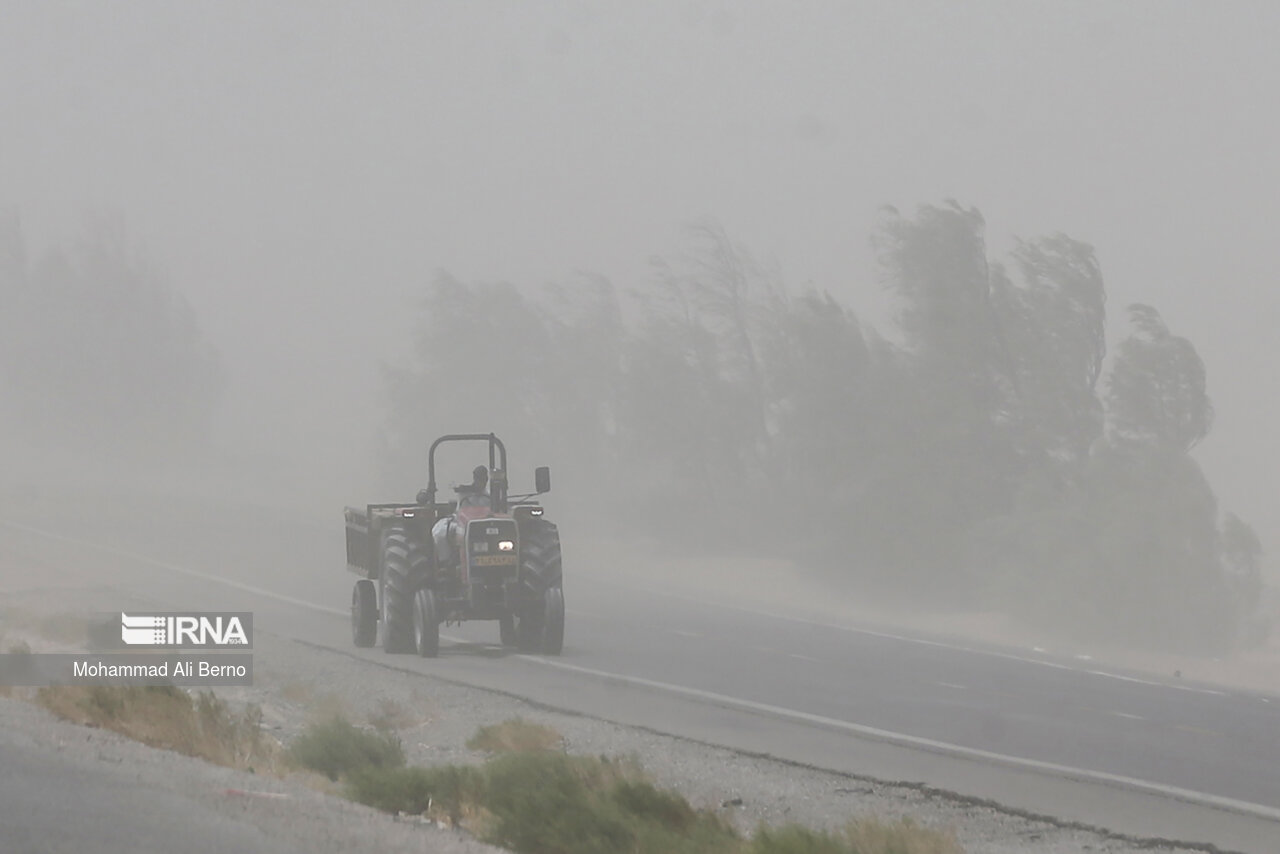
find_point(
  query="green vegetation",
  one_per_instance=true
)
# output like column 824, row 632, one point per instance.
column 169, row 718
column 335, row 747
column 537, row 800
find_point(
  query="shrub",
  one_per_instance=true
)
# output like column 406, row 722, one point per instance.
column 335, row 747
column 515, row 735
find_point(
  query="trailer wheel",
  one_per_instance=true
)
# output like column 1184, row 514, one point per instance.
column 426, row 624
column 404, row 566
column 364, row 613
column 507, row 630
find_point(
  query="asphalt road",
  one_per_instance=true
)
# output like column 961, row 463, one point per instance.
column 1063, row 738
column 51, row 804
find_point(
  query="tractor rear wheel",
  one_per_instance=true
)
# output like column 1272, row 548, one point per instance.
column 364, row 613
column 404, row 567
column 426, row 624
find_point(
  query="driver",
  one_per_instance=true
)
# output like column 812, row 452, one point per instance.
column 479, row 481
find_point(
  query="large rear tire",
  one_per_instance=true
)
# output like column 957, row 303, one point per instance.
column 404, row 568
column 364, row 613
column 426, row 624
column 541, row 627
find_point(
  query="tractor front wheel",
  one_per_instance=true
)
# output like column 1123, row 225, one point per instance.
column 553, row 621
column 542, row 626
column 426, row 624
column 507, row 630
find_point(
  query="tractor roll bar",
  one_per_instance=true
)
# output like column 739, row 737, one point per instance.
column 495, row 444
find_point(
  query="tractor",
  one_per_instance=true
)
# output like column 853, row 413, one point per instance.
column 485, row 555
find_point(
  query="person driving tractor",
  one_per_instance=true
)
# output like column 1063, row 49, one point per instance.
column 479, row 480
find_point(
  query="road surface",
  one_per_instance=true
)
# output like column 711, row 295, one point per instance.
column 1070, row 739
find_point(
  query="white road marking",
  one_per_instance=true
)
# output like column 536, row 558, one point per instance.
column 1128, row 716
column 685, row 634
column 901, row 739
column 953, row 685
column 1157, row 684
column 803, row 657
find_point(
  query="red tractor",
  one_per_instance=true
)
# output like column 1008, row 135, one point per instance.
column 486, row 555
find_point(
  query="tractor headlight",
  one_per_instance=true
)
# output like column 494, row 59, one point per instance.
column 505, row 545
column 480, row 546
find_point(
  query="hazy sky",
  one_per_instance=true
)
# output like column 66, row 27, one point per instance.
column 299, row 168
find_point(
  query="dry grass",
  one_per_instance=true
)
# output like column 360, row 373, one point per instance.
column 515, row 735
column 864, row 836
column 297, row 691
column 901, row 837
column 169, row 718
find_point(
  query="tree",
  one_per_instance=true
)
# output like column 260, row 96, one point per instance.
column 1242, row 562
column 957, row 387
column 1156, row 391
column 1055, row 330
column 937, row 264
column 100, row 350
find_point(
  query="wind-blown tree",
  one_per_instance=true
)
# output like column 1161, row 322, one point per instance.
column 817, row 365
column 587, row 340
column 937, row 265
column 1054, row 325
column 958, row 389
column 1242, row 562
column 1156, row 392
column 100, row 351
column 692, row 419
column 483, row 358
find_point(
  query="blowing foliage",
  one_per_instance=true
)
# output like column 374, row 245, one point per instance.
column 984, row 457
column 98, row 351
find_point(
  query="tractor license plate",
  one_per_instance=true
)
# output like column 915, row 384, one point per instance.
column 493, row 560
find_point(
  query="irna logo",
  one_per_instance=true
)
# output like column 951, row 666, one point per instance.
column 190, row 630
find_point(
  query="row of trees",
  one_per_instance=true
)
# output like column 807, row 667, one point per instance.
column 97, row 352
column 983, row 457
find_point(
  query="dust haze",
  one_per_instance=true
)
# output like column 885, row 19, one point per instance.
column 972, row 299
